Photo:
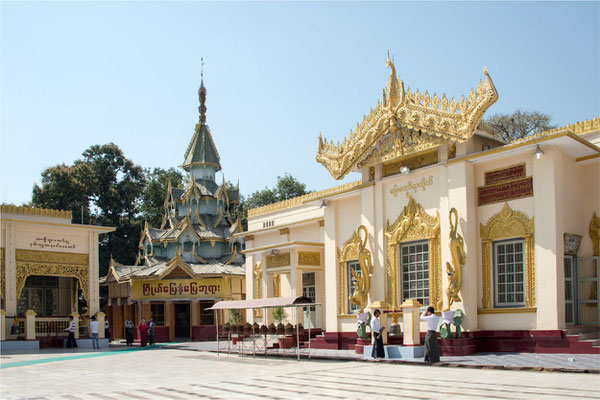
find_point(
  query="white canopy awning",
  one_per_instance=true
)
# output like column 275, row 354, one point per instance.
column 263, row 303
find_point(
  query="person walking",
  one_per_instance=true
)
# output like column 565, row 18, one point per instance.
column 94, row 326
column 143, row 332
column 377, row 331
column 129, row 331
column 71, row 342
column 151, row 332
column 432, row 352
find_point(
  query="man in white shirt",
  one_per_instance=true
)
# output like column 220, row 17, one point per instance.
column 94, row 326
column 432, row 352
column 71, row 342
column 378, row 351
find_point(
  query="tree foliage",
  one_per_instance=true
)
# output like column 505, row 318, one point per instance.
column 520, row 124
column 157, row 181
column 287, row 187
column 108, row 186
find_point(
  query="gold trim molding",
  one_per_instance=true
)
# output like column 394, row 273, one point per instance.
column 507, row 224
column 349, row 251
column 36, row 211
column 411, row 225
column 258, row 273
column 519, row 310
column 309, row 258
column 2, row 272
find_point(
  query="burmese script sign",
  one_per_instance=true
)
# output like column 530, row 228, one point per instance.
column 505, row 174
column 44, row 242
column 180, row 289
column 410, row 186
column 503, row 191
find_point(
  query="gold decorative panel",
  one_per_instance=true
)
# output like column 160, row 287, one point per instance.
column 508, row 224
column 594, row 232
column 49, row 263
column 276, row 285
column 414, row 224
column 413, row 162
column 355, row 249
column 258, row 273
column 278, row 260
column 309, row 258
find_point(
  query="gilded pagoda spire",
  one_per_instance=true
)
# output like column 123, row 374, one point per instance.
column 202, row 96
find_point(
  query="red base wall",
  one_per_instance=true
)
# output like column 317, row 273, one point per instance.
column 535, row 341
column 204, row 332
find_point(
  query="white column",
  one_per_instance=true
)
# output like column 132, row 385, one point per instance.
column 462, row 196
column 412, row 322
column 93, row 297
column 101, row 318
column 2, row 325
column 549, row 268
column 250, row 285
column 330, row 268
column 30, row 324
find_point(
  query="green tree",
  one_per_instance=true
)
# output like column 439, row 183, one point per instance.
column 153, row 198
column 287, row 187
column 520, row 124
column 109, row 187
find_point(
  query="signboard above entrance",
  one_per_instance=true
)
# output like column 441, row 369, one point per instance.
column 180, row 288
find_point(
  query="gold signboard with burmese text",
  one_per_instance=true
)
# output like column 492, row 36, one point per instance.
column 181, row 289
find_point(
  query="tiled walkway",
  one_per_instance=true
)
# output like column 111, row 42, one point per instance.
column 568, row 361
column 175, row 374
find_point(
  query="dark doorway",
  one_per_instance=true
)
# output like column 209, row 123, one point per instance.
column 182, row 320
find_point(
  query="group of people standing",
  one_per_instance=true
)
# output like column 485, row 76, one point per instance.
column 432, row 351
column 146, row 332
column 94, row 327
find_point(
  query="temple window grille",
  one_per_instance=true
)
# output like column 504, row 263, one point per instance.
column 414, row 258
column 40, row 294
column 352, row 266
column 509, row 276
column 207, row 317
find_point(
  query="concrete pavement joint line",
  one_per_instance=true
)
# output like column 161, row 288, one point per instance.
column 190, row 393
column 154, row 393
column 131, row 395
column 236, row 391
column 287, row 390
column 338, row 389
column 464, row 385
column 473, row 383
column 102, row 396
column 404, row 389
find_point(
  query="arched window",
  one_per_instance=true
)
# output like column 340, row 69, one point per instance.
column 187, row 246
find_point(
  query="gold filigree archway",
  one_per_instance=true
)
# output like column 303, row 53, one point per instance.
column 258, row 273
column 508, row 224
column 50, row 263
column 348, row 252
column 414, row 224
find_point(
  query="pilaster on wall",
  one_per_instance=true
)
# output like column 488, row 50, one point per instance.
column 548, row 240
column 368, row 218
column 11, row 271
column 250, row 285
column 93, row 298
column 330, row 268
column 462, row 196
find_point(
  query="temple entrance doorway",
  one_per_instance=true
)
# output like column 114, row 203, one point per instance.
column 182, row 320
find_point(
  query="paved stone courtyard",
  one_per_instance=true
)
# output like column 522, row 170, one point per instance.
column 170, row 373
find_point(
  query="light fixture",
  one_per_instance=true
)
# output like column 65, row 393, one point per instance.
column 538, row 153
column 274, row 252
column 404, row 170
column 324, row 204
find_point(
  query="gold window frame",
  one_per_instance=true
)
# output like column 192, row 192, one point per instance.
column 508, row 224
column 414, row 224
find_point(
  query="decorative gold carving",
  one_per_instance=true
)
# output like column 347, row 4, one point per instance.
column 284, row 231
column 258, row 272
column 2, row 269
column 322, row 222
column 410, row 122
column 413, row 162
column 276, row 285
column 37, row 256
column 454, row 270
column 36, row 211
column 414, row 224
column 348, row 252
column 579, row 128
column 309, row 258
column 25, row 269
column 296, row 201
column 278, row 260
column 508, row 224
column 360, row 296
column 519, row 310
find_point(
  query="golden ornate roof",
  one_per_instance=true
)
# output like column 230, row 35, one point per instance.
column 44, row 212
column 406, row 122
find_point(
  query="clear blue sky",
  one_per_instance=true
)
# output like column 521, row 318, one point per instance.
column 277, row 74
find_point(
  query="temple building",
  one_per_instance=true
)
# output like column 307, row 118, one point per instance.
column 447, row 213
column 49, row 271
column 192, row 260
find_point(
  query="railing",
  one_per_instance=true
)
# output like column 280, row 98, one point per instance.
column 47, row 326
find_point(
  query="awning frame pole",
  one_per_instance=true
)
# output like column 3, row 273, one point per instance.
column 297, row 336
column 309, row 324
column 253, row 342
column 266, row 331
column 217, row 313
